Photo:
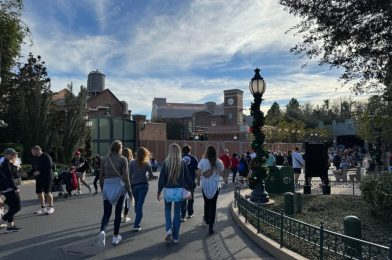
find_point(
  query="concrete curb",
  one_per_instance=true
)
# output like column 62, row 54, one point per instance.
column 263, row 241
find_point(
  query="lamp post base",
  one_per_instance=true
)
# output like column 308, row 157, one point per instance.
column 259, row 194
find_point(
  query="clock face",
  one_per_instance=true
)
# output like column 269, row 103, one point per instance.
column 230, row 101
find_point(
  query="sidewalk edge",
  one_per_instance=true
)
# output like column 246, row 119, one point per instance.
column 263, row 241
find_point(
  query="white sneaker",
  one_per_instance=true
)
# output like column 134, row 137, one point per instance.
column 126, row 219
column 175, row 241
column 116, row 239
column 79, row 192
column 50, row 211
column 168, row 237
column 137, row 228
column 40, row 211
column 102, row 240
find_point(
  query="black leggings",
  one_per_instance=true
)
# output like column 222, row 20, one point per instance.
column 12, row 199
column 210, row 208
column 96, row 180
column 107, row 212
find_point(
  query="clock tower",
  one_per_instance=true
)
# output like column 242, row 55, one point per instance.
column 233, row 105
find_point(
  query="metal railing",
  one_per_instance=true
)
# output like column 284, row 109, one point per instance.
column 311, row 241
column 352, row 184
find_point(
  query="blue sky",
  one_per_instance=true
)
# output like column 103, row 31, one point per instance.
column 186, row 51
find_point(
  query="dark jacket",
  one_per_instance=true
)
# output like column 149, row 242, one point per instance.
column 7, row 173
column 184, row 179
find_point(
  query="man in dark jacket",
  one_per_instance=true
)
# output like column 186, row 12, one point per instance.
column 9, row 189
column 43, row 172
column 191, row 163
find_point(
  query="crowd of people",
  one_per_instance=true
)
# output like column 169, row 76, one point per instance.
column 124, row 176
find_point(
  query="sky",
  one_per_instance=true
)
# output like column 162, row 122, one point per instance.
column 186, row 51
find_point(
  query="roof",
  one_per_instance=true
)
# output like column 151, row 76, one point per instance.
column 100, row 93
column 57, row 96
column 186, row 110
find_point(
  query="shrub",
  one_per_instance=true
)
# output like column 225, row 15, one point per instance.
column 376, row 189
column 17, row 147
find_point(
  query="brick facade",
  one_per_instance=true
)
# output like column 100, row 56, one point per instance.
column 107, row 99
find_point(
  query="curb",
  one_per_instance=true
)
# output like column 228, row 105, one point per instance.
column 263, row 241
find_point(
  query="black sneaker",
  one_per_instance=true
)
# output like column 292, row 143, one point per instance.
column 12, row 229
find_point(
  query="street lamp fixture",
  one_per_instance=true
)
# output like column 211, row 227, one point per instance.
column 259, row 170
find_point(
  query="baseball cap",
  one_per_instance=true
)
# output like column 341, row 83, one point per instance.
column 10, row 151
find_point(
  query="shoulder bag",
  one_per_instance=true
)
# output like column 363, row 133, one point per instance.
column 177, row 194
column 122, row 183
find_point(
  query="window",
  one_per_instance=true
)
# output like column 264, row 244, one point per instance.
column 213, row 123
column 230, row 115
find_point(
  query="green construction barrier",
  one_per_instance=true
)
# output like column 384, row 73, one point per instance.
column 280, row 180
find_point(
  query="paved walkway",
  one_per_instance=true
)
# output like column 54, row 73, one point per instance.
column 71, row 232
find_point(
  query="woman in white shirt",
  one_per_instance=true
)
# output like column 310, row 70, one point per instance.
column 210, row 170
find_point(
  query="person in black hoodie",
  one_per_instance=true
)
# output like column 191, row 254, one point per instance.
column 9, row 189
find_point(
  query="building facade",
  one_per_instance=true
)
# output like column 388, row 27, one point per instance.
column 210, row 121
column 110, row 117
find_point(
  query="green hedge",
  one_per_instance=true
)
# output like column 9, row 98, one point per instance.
column 16, row 146
column 376, row 189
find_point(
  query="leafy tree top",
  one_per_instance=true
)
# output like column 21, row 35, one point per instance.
column 12, row 30
column 354, row 35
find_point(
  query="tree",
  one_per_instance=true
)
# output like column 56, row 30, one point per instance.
column 293, row 110
column 274, row 115
column 69, row 129
column 351, row 34
column 27, row 105
column 12, row 32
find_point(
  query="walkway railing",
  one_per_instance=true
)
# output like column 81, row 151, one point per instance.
column 313, row 242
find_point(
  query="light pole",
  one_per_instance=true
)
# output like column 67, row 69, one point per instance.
column 259, row 170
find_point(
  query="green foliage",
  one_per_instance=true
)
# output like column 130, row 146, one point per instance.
column 376, row 190
column 349, row 34
column 274, row 115
column 12, row 30
column 69, row 130
column 18, row 147
column 27, row 105
column 374, row 121
column 259, row 170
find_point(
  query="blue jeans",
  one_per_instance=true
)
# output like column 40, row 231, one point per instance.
column 139, row 192
column 176, row 223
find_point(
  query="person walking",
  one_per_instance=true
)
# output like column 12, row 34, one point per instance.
column 225, row 158
column 298, row 164
column 290, row 158
column 79, row 163
column 127, row 153
column 243, row 167
column 43, row 172
column 234, row 165
column 139, row 182
column 96, row 166
column 174, row 175
column 210, row 170
column 191, row 163
column 279, row 159
column 9, row 189
column 114, row 181
column 271, row 159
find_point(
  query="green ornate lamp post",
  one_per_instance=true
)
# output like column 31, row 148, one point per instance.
column 259, row 170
